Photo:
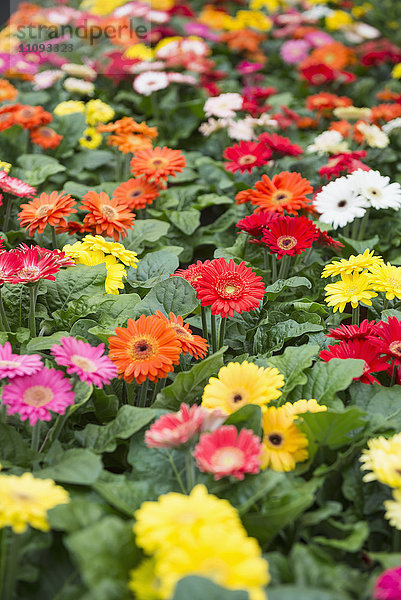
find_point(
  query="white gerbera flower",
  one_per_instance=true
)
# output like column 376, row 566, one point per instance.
column 376, row 189
column 241, row 130
column 373, row 135
column 391, row 125
column 329, row 141
column 213, row 125
column 150, row 81
column 79, row 86
column 223, row 106
column 339, row 203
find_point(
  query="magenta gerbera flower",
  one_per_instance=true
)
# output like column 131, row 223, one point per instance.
column 33, row 396
column 14, row 365
column 388, row 585
column 88, row 362
column 225, row 452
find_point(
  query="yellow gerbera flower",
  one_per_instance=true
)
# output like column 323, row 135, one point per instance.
column 396, row 72
column 5, row 166
column 338, row 19
column 393, row 509
column 144, row 582
column 174, row 516
column 353, row 264
column 383, row 459
column 91, row 258
column 139, row 51
column 91, row 138
column 302, row 406
column 98, row 112
column 270, row 5
column 97, row 242
column 251, row 18
column 386, row 278
column 239, row 384
column 25, row 501
column 69, row 108
column 115, row 275
column 73, row 250
column 353, row 288
column 283, row 443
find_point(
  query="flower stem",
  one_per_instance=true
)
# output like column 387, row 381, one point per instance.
column 176, row 473
column 214, row 333
column 265, row 259
column 7, row 215
column 54, row 238
column 3, row 560
column 284, row 268
column 385, row 303
column 55, row 431
column 355, row 315
column 190, row 470
column 274, row 268
column 393, row 374
column 156, row 390
column 143, row 390
column 222, row 331
column 363, row 225
column 204, row 324
column 355, row 229
column 3, row 314
column 35, row 436
column 32, row 305
column 12, row 567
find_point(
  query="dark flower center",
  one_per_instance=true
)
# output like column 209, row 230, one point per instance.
column 276, row 439
column 342, row 203
column 286, row 242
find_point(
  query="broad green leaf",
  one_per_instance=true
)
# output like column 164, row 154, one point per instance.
column 186, row 221
column 172, row 295
column 248, row 417
column 103, row 438
column 122, row 493
column 38, row 167
column 333, row 428
column 119, row 310
column 75, row 515
column 205, row 200
column 381, row 404
column 295, row 592
column 77, row 466
column 292, row 364
column 153, row 268
column 46, row 342
column 188, row 386
column 93, row 159
column 199, row 588
column 357, row 535
column 74, row 282
column 13, row 448
column 273, row 290
column 271, row 339
column 145, row 230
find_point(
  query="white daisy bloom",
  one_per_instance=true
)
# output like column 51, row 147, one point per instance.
column 374, row 136
column 223, row 106
column 150, row 81
column 391, row 125
column 339, row 203
column 241, row 130
column 75, row 70
column 213, row 125
column 79, row 86
column 376, row 189
column 331, row 142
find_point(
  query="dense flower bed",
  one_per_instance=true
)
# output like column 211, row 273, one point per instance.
column 200, row 300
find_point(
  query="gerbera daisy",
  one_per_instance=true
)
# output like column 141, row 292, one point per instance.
column 361, row 349
column 290, row 235
column 338, row 203
column 91, row 138
column 175, row 429
column 7, row 118
column 303, row 406
column 229, row 288
column 25, row 500
column 107, row 215
column 15, row 365
column 353, row 264
column 283, row 443
column 97, row 242
column 245, row 156
column 58, row 256
column 352, row 288
column 47, row 208
column 193, row 272
column 46, row 137
column 229, row 453
column 16, row 187
column 158, row 163
column 87, row 361
column 238, row 384
column 136, row 193
column 147, row 348
column 115, row 273
column 386, row 278
column 388, row 584
column 257, row 223
column 33, row 396
column 244, row 196
column 387, row 338
column 279, row 145
column 383, row 459
column 351, row 332
column 10, row 264
column 325, row 239
column 285, row 192
column 393, row 514
column 193, row 344
column 33, row 267
column 376, row 189
column 31, row 117
column 346, row 162
column 319, row 74
column 129, row 143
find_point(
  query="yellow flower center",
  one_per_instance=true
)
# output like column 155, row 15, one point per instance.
column 281, row 196
column 143, row 349
column 228, row 457
column 395, row 347
column 83, row 363
column 248, row 159
column 28, row 272
column 38, row 395
column 286, row 242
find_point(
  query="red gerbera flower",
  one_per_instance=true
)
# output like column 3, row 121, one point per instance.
column 33, row 267
column 281, row 146
column 9, row 265
column 351, row 332
column 245, row 156
column 325, row 239
column 256, row 223
column 229, row 288
column 30, row 117
column 193, row 272
column 340, row 164
column 290, row 235
column 387, row 339
column 7, row 116
column 318, row 74
column 361, row 349
column 58, row 256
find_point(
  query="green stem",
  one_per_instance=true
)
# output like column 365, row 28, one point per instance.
column 35, row 436
column 274, row 268
column 143, row 390
column 3, row 315
column 393, row 374
column 32, row 306
column 265, row 259
column 12, row 567
column 385, row 303
column 355, row 315
column 346, row 231
column 7, row 215
column 54, row 238
column 190, row 470
column 204, row 324
column 55, row 431
column 363, row 225
column 355, row 229
column 222, row 331
column 214, row 333
column 156, row 390
column 124, row 393
column 176, row 473
column 284, row 268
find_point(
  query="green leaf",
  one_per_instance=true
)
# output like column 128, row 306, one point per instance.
column 38, row 167
column 292, row 364
column 75, row 515
column 186, row 221
column 172, row 295
column 103, row 438
column 248, row 417
column 294, row 592
column 119, row 310
column 122, row 493
column 93, row 159
column 188, row 386
column 199, row 588
column 205, row 200
column 78, row 190
column 71, row 128
column 146, row 230
column 358, row 533
column 333, row 428
column 77, row 466
column 273, row 338
column 381, row 404
column 153, row 268
column 273, row 290
column 46, row 342
column 13, row 448
column 74, row 282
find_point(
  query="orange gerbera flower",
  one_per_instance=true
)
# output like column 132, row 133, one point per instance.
column 128, row 125
column 307, row 123
column 107, row 215
column 129, row 142
column 46, row 137
column 342, row 127
column 195, row 345
column 387, row 94
column 385, row 112
column 147, row 348
column 243, row 39
column 7, row 91
column 30, row 117
column 47, row 208
column 324, row 101
column 334, row 55
column 7, row 116
column 158, row 163
column 286, row 192
column 136, row 193
column 243, row 196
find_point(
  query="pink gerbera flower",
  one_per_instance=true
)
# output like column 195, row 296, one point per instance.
column 33, row 267
column 16, row 187
column 388, row 585
column 13, row 365
column 175, row 429
column 10, row 264
column 225, row 452
column 33, row 396
column 87, row 361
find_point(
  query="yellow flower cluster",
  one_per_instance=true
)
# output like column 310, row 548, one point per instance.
column 242, row 20
column 361, row 277
column 95, row 250
column 383, row 461
column 198, row 534
column 25, row 501
column 96, row 111
column 338, row 19
column 5, row 166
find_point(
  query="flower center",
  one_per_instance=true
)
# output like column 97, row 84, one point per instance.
column 158, row 162
column 395, row 347
column 281, row 196
column 20, row 497
column 42, row 210
column 286, row 242
column 276, row 439
column 181, row 331
column 142, row 349
column 341, row 203
column 230, row 288
column 248, row 159
column 83, row 363
column 12, row 364
column 27, row 113
column 28, row 272
column 109, row 212
column 46, row 132
column 135, row 193
column 237, row 398
column 374, row 192
column 38, row 395
column 228, row 457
